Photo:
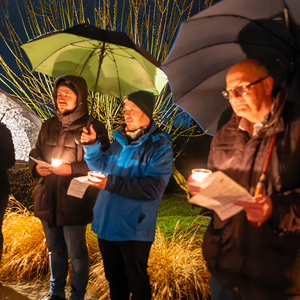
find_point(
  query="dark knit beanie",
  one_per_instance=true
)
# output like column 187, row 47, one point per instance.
column 67, row 83
column 144, row 100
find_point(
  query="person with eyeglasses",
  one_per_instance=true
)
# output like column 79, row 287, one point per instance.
column 255, row 255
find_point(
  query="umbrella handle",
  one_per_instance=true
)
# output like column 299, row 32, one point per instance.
column 263, row 177
column 89, row 122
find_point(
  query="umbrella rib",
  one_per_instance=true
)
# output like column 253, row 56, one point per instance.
column 98, row 73
column 61, row 48
column 205, row 79
column 125, row 50
column 237, row 42
column 217, row 44
column 117, row 70
column 70, row 44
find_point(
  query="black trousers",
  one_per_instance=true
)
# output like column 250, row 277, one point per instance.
column 125, row 266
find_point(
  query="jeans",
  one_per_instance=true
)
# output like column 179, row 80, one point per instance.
column 125, row 266
column 64, row 242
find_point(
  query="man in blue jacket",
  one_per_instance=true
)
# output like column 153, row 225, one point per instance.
column 138, row 166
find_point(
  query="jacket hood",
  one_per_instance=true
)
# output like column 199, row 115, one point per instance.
column 82, row 91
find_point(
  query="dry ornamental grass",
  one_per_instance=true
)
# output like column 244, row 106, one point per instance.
column 177, row 269
column 25, row 250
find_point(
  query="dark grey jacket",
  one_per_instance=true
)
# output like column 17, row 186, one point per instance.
column 261, row 263
column 57, row 140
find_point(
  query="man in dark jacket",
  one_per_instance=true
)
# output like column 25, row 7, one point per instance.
column 255, row 255
column 7, row 160
column 138, row 166
column 64, row 217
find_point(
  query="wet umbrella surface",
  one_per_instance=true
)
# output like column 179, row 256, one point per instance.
column 209, row 43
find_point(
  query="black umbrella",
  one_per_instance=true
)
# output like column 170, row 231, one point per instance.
column 209, row 43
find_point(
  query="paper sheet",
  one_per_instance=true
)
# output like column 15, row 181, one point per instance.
column 41, row 162
column 219, row 193
column 78, row 186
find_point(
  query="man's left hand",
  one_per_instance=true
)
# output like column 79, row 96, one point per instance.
column 259, row 211
column 63, row 170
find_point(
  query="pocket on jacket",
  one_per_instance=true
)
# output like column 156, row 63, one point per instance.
column 37, row 193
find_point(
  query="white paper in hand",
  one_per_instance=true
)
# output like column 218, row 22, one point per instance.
column 219, row 193
column 78, row 186
column 41, row 162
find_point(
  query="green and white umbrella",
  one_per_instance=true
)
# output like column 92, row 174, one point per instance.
column 108, row 60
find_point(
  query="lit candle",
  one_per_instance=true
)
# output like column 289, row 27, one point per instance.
column 199, row 174
column 95, row 176
column 55, row 162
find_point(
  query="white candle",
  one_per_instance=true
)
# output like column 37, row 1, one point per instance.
column 95, row 176
column 55, row 162
column 200, row 174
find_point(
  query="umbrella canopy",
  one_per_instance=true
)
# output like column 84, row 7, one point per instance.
column 22, row 122
column 108, row 60
column 209, row 43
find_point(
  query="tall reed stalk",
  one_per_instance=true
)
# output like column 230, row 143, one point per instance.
column 152, row 24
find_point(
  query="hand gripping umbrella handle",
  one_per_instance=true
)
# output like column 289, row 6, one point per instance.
column 262, row 180
column 263, row 177
column 79, row 132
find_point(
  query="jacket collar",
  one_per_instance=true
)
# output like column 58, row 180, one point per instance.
column 153, row 131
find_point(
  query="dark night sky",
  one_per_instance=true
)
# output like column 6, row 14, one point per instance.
column 16, row 21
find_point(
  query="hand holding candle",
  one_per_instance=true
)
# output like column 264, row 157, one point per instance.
column 42, row 171
column 59, row 168
column 195, row 178
column 98, row 179
column 199, row 174
column 55, row 162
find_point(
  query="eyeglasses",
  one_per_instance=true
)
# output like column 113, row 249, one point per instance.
column 241, row 90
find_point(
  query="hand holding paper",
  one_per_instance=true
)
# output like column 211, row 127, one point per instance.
column 259, row 211
column 79, row 185
column 219, row 194
column 42, row 170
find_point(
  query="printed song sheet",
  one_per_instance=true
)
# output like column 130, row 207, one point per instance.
column 78, row 186
column 219, row 193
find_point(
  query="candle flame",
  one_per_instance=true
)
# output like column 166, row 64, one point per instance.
column 200, row 174
column 55, row 162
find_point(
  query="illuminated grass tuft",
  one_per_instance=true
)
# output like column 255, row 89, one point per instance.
column 177, row 268
column 25, row 250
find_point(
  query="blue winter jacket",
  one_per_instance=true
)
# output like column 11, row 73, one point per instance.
column 137, row 175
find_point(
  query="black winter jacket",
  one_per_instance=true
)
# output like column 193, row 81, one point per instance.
column 57, row 140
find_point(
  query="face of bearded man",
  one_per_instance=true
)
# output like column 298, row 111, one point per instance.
column 66, row 100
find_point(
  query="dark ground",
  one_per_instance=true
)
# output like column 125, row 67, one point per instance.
column 24, row 290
